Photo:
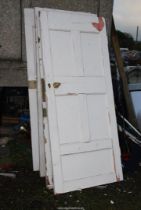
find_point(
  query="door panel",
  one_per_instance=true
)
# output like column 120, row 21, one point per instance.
column 72, row 122
column 95, row 164
column 63, row 63
column 91, row 54
column 98, row 117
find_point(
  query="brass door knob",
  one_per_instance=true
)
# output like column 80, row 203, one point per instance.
column 56, row 84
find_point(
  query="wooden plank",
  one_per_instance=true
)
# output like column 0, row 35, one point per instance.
column 51, row 103
column 112, row 115
column 40, row 108
column 47, row 161
column 116, row 47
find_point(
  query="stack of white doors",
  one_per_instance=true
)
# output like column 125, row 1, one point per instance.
column 73, row 124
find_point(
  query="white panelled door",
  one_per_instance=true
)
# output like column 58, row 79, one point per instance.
column 82, row 123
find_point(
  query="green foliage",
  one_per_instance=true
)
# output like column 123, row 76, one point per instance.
column 125, row 40
column 138, row 46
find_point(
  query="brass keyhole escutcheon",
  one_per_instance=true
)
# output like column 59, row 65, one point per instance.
column 49, row 85
column 56, row 84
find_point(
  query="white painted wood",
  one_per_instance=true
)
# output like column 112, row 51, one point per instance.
column 40, row 108
column 31, row 71
column 82, row 147
column 82, row 123
column 51, row 103
column 87, row 182
column 93, row 166
column 35, row 52
column 47, row 148
column 111, row 110
column 74, row 86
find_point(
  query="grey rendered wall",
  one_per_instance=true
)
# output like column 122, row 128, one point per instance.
column 12, row 38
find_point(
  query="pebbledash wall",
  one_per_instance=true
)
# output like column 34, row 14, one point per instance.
column 12, row 40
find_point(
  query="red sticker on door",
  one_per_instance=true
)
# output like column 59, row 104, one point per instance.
column 99, row 26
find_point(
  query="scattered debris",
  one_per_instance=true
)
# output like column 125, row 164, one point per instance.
column 11, row 175
column 112, row 202
column 102, row 187
column 4, row 140
column 139, row 164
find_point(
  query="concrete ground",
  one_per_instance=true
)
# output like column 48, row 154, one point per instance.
column 27, row 191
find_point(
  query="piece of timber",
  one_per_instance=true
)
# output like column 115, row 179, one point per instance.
column 129, row 106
